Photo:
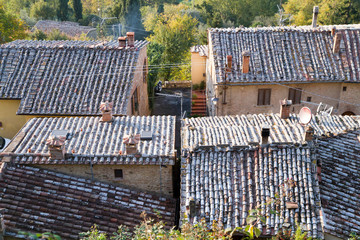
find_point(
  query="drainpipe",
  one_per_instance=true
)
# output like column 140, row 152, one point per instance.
column 160, row 180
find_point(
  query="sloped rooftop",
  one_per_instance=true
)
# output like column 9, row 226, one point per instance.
column 72, row 29
column 88, row 139
column 244, row 130
column 67, row 77
column 227, row 184
column 340, row 186
column 287, row 54
column 37, row 200
column 201, row 49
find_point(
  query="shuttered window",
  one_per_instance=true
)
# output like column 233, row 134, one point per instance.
column 264, row 96
column 295, row 95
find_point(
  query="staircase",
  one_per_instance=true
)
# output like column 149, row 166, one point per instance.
column 198, row 105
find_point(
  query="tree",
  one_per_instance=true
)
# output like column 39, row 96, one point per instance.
column 42, row 10
column 175, row 31
column 63, row 10
column 11, row 28
column 77, row 9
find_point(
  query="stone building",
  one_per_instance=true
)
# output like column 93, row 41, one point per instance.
column 250, row 69
column 232, row 164
column 71, row 29
column 136, row 152
column 70, row 78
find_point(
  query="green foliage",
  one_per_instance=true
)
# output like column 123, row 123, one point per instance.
column 287, row 235
column 42, row 10
column 93, row 234
column 57, row 35
column 175, row 31
column 354, row 236
column 38, row 35
column 63, row 10
column 46, row 235
column 77, row 9
column 11, row 28
column 330, row 11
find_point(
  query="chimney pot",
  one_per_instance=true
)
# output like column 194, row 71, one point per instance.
column 333, row 31
column 122, row 42
column 265, row 134
column 337, row 41
column 131, row 39
column 246, row 61
column 131, row 143
column 315, row 16
column 228, row 63
column 56, row 147
column 285, row 106
column 309, row 132
column 106, row 109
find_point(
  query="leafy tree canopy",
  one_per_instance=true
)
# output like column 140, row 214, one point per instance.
column 11, row 28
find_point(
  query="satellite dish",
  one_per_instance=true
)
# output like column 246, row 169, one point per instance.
column 305, row 115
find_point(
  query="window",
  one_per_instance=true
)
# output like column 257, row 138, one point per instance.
column 295, row 95
column 308, row 99
column 264, row 97
column 204, row 74
column 118, row 173
column 135, row 102
column 344, row 89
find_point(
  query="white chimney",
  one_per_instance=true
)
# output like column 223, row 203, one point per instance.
column 315, row 16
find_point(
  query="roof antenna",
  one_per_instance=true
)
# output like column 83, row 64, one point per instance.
column 324, row 110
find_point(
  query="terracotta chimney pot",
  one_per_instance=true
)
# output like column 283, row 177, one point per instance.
column 131, row 39
column 122, row 42
column 106, row 109
column 285, row 106
column 246, row 61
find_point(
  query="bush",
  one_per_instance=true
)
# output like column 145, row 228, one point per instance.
column 57, row 35
column 38, row 35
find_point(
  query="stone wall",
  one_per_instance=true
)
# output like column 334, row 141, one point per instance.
column 143, row 177
column 242, row 99
column 141, row 86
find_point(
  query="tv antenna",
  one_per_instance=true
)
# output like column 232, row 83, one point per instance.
column 324, row 110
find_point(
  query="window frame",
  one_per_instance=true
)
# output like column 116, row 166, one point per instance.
column 295, row 95
column 118, row 172
column 135, row 102
column 264, row 97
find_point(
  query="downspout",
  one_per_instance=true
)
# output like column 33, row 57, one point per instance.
column 160, row 179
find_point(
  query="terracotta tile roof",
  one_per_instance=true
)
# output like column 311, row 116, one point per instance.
column 340, row 185
column 201, row 49
column 37, row 200
column 226, row 184
column 88, row 139
column 243, row 130
column 72, row 29
column 287, row 54
column 67, row 77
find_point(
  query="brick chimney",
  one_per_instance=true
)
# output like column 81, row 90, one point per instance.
column 131, row 39
column 246, row 61
column 309, row 133
column 228, row 63
column 315, row 16
column 106, row 109
column 131, row 143
column 122, row 42
column 56, row 147
column 337, row 41
column 265, row 134
column 333, row 31
column 285, row 106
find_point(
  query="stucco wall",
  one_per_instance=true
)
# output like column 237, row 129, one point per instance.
column 243, row 99
column 11, row 123
column 198, row 68
column 351, row 95
column 144, row 109
column 144, row 177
